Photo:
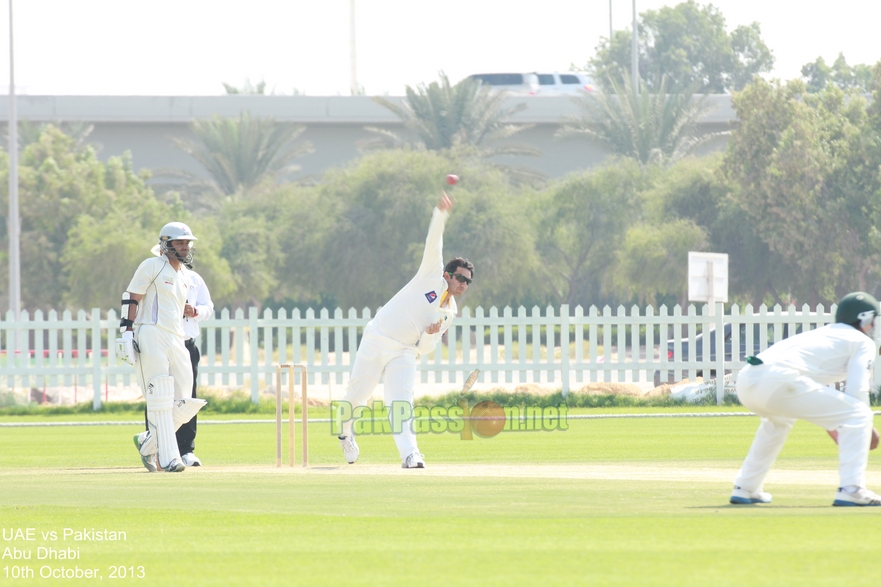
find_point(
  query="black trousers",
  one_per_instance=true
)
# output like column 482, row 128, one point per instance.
column 186, row 434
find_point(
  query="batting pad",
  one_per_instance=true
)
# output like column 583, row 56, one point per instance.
column 182, row 412
column 185, row 409
column 160, row 403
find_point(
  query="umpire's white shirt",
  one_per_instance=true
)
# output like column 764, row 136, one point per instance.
column 418, row 305
column 200, row 298
column 826, row 355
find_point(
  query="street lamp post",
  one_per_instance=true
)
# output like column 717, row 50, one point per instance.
column 353, row 72
column 611, row 31
column 14, row 223
column 634, row 56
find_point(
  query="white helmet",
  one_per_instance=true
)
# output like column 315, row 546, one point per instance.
column 176, row 231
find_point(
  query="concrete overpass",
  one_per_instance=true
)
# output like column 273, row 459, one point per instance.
column 145, row 126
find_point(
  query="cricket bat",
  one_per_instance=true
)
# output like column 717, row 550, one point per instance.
column 472, row 379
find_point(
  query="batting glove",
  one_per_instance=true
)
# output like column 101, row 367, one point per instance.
column 125, row 347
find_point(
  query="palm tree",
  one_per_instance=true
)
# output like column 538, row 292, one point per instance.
column 445, row 116
column 649, row 127
column 241, row 153
column 247, row 88
column 256, row 90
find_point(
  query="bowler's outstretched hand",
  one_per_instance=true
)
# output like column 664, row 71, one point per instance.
column 445, row 204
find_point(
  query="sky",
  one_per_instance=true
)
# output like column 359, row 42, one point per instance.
column 190, row 47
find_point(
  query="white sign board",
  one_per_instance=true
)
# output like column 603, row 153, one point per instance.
column 708, row 277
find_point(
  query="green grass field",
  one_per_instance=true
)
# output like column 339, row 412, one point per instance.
column 606, row 502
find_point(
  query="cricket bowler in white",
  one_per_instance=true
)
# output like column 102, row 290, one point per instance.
column 153, row 341
column 790, row 381
column 412, row 322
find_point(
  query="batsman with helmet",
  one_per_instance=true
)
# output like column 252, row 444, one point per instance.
column 152, row 339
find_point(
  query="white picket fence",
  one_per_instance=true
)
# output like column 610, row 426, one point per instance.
column 552, row 347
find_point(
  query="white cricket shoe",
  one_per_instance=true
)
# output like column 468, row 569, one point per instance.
column 743, row 497
column 860, row 497
column 175, row 466
column 149, row 461
column 350, row 448
column 191, row 460
column 414, row 461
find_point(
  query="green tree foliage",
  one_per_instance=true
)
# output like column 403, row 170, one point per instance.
column 241, row 153
column 693, row 190
column 251, row 248
column 818, row 74
column 583, row 222
column 494, row 226
column 653, row 260
column 60, row 184
column 358, row 236
column 102, row 252
column 383, row 207
column 272, row 242
column 650, row 127
column 130, row 231
column 805, row 169
column 689, row 44
column 304, row 220
column 795, row 202
column 82, row 222
column 29, row 132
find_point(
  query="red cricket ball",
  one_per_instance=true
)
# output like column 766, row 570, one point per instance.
column 452, row 179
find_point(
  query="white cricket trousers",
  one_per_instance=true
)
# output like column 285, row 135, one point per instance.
column 780, row 396
column 380, row 356
column 163, row 353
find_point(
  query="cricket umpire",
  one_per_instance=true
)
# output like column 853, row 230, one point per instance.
column 199, row 307
column 412, row 322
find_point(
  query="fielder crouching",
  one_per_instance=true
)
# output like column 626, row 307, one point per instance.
column 790, row 381
column 153, row 340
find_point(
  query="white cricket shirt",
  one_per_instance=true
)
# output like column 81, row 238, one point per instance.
column 200, row 298
column 828, row 354
column 413, row 309
column 165, row 293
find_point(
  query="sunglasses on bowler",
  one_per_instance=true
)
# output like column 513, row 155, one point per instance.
column 460, row 278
